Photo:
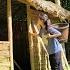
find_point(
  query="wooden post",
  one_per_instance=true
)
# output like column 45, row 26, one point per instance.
column 10, row 34
column 30, row 39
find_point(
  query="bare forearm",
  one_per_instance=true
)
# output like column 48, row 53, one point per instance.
column 53, row 36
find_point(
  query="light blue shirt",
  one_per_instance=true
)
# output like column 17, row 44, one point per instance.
column 54, row 45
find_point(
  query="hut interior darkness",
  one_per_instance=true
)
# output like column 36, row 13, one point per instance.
column 3, row 21
column 20, row 35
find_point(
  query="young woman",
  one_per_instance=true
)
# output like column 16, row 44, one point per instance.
column 38, row 45
column 54, row 48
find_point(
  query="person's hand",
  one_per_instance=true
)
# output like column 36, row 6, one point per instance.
column 48, row 35
column 34, row 34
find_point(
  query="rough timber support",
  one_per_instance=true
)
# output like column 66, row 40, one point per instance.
column 30, row 38
column 10, row 34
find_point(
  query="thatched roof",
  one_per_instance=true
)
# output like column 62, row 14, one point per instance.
column 49, row 7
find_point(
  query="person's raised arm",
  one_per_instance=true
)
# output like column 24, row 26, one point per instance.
column 53, row 33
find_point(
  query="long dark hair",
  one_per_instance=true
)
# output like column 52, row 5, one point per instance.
column 46, row 26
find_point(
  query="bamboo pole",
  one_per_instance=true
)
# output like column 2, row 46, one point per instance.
column 39, row 53
column 30, row 39
column 64, row 61
column 10, row 34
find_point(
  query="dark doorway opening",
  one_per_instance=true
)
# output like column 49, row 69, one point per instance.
column 3, row 21
column 20, row 36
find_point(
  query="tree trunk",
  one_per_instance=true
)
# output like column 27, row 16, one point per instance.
column 49, row 7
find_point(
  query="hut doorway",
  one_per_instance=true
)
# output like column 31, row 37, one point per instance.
column 20, row 36
column 20, row 46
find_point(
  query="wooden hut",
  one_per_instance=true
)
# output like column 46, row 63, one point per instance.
column 38, row 60
column 6, row 50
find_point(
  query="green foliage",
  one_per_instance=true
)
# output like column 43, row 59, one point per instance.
column 66, row 4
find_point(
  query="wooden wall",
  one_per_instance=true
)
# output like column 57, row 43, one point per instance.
column 5, row 55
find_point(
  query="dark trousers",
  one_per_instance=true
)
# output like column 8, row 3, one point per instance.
column 55, row 61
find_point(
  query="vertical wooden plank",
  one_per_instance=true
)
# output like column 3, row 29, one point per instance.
column 10, row 34
column 30, row 39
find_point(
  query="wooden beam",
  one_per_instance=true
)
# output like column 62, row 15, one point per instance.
column 10, row 34
column 23, row 1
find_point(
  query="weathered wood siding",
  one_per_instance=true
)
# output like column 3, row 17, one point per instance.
column 5, row 55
